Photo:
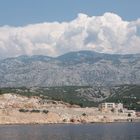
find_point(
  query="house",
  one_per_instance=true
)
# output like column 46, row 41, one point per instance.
column 116, row 108
column 130, row 113
column 111, row 107
column 138, row 114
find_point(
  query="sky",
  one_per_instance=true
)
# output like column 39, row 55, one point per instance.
column 23, row 12
column 52, row 27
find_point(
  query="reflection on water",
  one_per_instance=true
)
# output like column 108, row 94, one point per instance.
column 110, row 131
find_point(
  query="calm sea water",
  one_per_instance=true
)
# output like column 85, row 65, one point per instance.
column 110, row 131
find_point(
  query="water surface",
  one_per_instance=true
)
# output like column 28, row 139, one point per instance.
column 109, row 131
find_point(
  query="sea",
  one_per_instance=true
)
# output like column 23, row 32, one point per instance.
column 95, row 131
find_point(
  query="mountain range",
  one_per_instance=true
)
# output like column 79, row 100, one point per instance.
column 82, row 68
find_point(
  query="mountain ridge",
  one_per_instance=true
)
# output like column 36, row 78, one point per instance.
column 75, row 52
column 80, row 68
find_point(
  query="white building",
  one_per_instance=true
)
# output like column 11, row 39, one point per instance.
column 113, row 107
column 130, row 113
column 116, row 108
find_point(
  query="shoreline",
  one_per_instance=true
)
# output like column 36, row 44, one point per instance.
column 16, row 109
column 71, row 123
column 10, row 124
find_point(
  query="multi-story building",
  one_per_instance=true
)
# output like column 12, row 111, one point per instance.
column 116, row 108
column 111, row 107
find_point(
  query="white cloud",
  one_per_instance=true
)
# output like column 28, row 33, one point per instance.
column 107, row 33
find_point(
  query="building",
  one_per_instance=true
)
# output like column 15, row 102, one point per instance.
column 138, row 114
column 116, row 108
column 130, row 113
column 111, row 107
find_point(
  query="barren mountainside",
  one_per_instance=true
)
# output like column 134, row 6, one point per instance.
column 83, row 68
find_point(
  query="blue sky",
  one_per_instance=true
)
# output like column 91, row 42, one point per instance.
column 55, row 27
column 23, row 12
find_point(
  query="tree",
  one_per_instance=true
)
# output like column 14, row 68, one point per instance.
column 129, row 114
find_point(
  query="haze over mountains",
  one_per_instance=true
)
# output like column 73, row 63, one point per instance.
column 81, row 68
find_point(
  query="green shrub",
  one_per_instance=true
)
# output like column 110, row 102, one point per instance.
column 84, row 114
column 35, row 111
column 64, row 120
column 45, row 111
column 23, row 110
column 129, row 115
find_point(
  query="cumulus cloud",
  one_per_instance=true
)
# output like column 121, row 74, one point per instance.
column 107, row 33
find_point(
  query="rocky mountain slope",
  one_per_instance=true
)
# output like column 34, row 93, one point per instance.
column 81, row 68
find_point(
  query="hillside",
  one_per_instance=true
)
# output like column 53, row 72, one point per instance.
column 83, row 68
column 85, row 95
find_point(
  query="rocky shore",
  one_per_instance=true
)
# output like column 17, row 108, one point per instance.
column 15, row 109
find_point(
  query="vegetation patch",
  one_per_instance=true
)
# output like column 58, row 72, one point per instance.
column 35, row 111
column 84, row 96
column 23, row 110
column 45, row 111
